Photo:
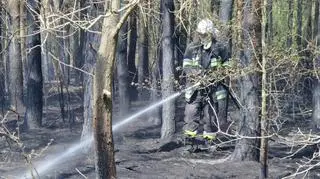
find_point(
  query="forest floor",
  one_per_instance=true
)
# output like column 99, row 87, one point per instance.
column 139, row 154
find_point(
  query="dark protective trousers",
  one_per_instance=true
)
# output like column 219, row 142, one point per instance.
column 199, row 115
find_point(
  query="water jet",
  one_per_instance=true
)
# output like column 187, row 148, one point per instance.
column 41, row 167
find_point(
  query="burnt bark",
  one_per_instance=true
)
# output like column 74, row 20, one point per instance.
column 33, row 118
column 122, row 72
column 2, row 72
column 269, row 25
column 143, row 61
column 316, row 80
column 132, row 40
column 15, row 62
column 316, row 103
column 92, row 42
column 225, row 17
column 290, row 23
column 167, row 86
column 299, row 25
column 226, row 10
column 247, row 149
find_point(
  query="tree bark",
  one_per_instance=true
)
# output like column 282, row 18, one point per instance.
column 264, row 18
column 33, row 118
column 168, row 109
column 143, row 65
column 133, row 77
column 316, row 103
column 154, row 60
column 92, row 42
column 58, row 54
column 2, row 72
column 225, row 17
column 290, row 23
column 269, row 25
column 299, row 25
column 247, row 149
column 316, row 80
column 122, row 72
column 316, row 19
column 16, row 74
column 102, row 116
column 23, row 41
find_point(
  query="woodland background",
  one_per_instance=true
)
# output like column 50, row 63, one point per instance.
column 96, row 61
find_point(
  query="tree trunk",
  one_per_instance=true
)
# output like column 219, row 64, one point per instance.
column 316, row 19
column 316, row 79
column 58, row 54
column 92, row 41
column 87, row 131
column 225, row 17
column 299, row 25
column 264, row 17
column 133, row 77
column 2, row 72
column 247, row 149
column 316, row 103
column 102, row 116
column 154, row 60
column 122, row 72
column 23, row 25
column 215, row 7
column 16, row 74
column 78, row 46
column 33, row 118
column 226, row 10
column 143, row 65
column 290, row 23
column 168, row 109
column 269, row 25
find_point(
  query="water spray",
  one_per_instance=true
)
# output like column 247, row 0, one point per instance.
column 173, row 96
column 42, row 167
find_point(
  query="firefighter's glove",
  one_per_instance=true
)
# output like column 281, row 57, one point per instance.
column 190, row 134
column 188, row 94
column 209, row 136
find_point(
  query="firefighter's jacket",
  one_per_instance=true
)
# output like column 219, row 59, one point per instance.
column 197, row 58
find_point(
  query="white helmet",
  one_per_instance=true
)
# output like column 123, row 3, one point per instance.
column 205, row 26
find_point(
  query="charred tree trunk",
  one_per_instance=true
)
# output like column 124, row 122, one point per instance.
column 316, row 19
column 299, row 25
column 316, row 79
column 154, row 54
column 91, row 41
column 33, row 118
column 290, row 23
column 269, row 25
column 143, row 65
column 122, row 72
column 57, row 55
column 225, row 17
column 132, row 40
column 168, row 109
column 215, row 7
column 23, row 41
column 247, row 149
column 87, row 131
column 16, row 74
column 78, row 46
column 2, row 71
column 316, row 102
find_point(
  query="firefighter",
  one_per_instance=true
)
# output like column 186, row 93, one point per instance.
column 200, row 57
